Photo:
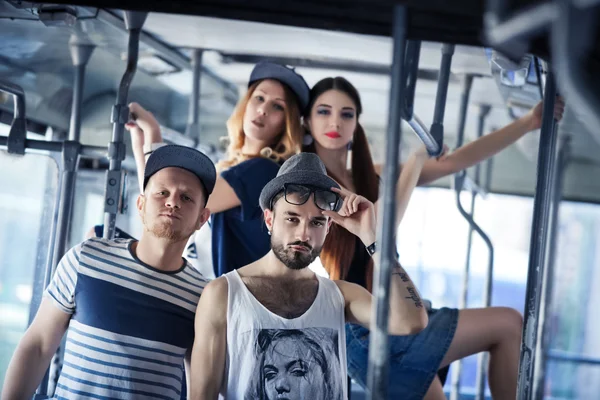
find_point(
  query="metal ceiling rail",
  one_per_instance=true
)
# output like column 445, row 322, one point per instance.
column 32, row 145
column 173, row 55
column 434, row 139
column 511, row 35
column 18, row 128
column 17, row 143
column 572, row 26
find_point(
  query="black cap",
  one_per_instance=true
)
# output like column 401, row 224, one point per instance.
column 283, row 74
column 182, row 157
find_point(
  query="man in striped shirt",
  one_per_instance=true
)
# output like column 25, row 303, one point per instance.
column 127, row 306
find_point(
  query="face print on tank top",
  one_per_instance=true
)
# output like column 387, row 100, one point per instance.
column 295, row 364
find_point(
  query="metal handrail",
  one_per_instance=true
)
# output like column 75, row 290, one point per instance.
column 120, row 115
column 377, row 377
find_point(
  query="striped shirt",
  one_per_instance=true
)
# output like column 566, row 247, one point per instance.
column 131, row 324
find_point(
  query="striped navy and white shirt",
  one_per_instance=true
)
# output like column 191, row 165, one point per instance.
column 131, row 324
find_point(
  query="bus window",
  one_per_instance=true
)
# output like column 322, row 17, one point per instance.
column 27, row 202
column 88, row 205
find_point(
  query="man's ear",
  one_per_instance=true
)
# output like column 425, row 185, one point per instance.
column 329, row 222
column 140, row 204
column 202, row 218
column 269, row 216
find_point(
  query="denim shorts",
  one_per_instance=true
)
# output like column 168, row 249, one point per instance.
column 414, row 359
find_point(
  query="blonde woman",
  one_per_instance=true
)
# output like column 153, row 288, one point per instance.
column 264, row 130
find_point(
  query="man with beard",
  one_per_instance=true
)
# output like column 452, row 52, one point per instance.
column 128, row 306
column 250, row 322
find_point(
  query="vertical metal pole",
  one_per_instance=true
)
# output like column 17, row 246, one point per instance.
column 410, row 74
column 437, row 127
column 45, row 254
column 484, row 110
column 80, row 55
column 120, row 115
column 460, row 136
column 193, row 126
column 464, row 108
column 443, row 81
column 539, row 236
column 70, row 157
column 488, row 174
column 377, row 380
column 543, row 338
column 464, row 298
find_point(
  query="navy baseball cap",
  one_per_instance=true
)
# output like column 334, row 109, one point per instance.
column 182, row 157
column 283, row 74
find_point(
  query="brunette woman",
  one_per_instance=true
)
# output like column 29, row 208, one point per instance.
column 332, row 121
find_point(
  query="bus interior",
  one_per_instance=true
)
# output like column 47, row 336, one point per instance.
column 450, row 71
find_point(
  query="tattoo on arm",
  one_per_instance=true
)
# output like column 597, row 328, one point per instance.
column 402, row 275
column 413, row 294
column 398, row 270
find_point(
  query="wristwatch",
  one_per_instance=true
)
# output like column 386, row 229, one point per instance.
column 149, row 149
column 372, row 248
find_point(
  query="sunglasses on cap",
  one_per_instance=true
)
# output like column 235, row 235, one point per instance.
column 297, row 195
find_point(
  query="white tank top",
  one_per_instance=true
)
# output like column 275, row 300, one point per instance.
column 270, row 357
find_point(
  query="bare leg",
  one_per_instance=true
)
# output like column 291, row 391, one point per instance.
column 496, row 330
column 436, row 391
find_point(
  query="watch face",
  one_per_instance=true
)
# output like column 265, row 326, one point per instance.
column 371, row 249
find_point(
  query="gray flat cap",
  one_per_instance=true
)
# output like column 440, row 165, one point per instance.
column 301, row 169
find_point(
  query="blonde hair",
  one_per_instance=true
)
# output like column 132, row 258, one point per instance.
column 287, row 143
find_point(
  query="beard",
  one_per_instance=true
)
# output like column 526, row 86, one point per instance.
column 165, row 229
column 293, row 259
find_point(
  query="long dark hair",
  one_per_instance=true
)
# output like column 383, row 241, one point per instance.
column 339, row 246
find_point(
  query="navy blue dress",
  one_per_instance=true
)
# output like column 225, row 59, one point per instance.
column 239, row 235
